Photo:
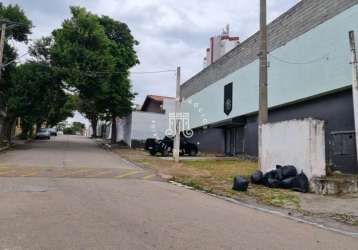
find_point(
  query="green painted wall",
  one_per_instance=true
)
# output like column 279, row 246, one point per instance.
column 314, row 63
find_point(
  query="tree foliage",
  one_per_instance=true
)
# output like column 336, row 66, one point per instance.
column 96, row 54
column 20, row 28
column 15, row 15
column 37, row 97
column 32, row 91
column 89, row 55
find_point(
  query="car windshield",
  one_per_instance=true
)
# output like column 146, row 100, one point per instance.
column 43, row 130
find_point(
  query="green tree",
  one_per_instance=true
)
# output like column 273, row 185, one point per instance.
column 19, row 33
column 91, row 110
column 118, row 95
column 81, row 48
column 21, row 25
column 77, row 127
column 59, row 104
column 95, row 55
column 31, row 93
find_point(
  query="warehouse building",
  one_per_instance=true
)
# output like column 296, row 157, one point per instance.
column 310, row 75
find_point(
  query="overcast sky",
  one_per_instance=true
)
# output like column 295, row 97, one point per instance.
column 170, row 32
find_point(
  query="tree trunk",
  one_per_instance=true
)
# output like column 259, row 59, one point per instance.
column 94, row 122
column 114, row 130
column 38, row 125
column 7, row 128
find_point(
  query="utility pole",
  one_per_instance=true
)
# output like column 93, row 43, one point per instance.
column 176, row 148
column 352, row 43
column 2, row 42
column 263, row 109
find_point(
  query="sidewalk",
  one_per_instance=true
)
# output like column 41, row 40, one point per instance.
column 3, row 148
column 216, row 175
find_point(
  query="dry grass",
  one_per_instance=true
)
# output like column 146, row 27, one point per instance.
column 214, row 176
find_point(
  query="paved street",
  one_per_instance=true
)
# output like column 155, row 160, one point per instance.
column 68, row 193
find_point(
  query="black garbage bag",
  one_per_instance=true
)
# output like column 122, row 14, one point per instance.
column 269, row 175
column 286, row 172
column 257, row 177
column 300, row 183
column 278, row 166
column 240, row 184
column 272, row 183
column 287, row 183
column 272, row 174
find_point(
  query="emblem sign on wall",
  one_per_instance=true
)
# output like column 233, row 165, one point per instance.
column 228, row 98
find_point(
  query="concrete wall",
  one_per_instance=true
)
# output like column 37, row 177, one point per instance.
column 296, row 142
column 309, row 56
column 335, row 109
column 124, row 129
column 135, row 128
column 209, row 140
column 148, row 125
column 168, row 105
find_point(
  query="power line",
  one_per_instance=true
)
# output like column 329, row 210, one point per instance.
column 153, row 72
column 322, row 58
column 12, row 61
column 13, row 24
column 91, row 73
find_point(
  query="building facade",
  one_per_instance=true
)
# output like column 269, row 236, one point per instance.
column 151, row 121
column 310, row 75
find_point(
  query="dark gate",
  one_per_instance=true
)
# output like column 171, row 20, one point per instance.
column 234, row 141
column 343, row 153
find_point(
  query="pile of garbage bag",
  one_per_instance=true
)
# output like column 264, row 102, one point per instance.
column 285, row 177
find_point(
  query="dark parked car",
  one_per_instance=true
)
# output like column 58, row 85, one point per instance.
column 165, row 146
column 43, row 133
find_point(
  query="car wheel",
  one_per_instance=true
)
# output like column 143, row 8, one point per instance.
column 152, row 152
column 165, row 152
column 193, row 152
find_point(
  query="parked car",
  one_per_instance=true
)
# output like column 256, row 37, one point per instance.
column 53, row 131
column 165, row 146
column 43, row 133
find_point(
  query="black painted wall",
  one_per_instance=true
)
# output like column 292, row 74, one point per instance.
column 211, row 140
column 335, row 109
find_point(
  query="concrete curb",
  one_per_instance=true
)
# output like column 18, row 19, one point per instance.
column 272, row 211
column 2, row 149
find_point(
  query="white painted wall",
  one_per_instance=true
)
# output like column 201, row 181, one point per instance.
column 148, row 125
column 142, row 125
column 299, row 143
column 168, row 105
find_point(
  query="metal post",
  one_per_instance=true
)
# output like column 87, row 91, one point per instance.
column 2, row 42
column 354, row 83
column 176, row 148
column 263, row 107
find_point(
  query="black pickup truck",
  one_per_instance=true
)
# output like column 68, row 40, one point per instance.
column 165, row 147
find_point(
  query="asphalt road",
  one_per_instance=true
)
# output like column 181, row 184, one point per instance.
column 127, row 209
